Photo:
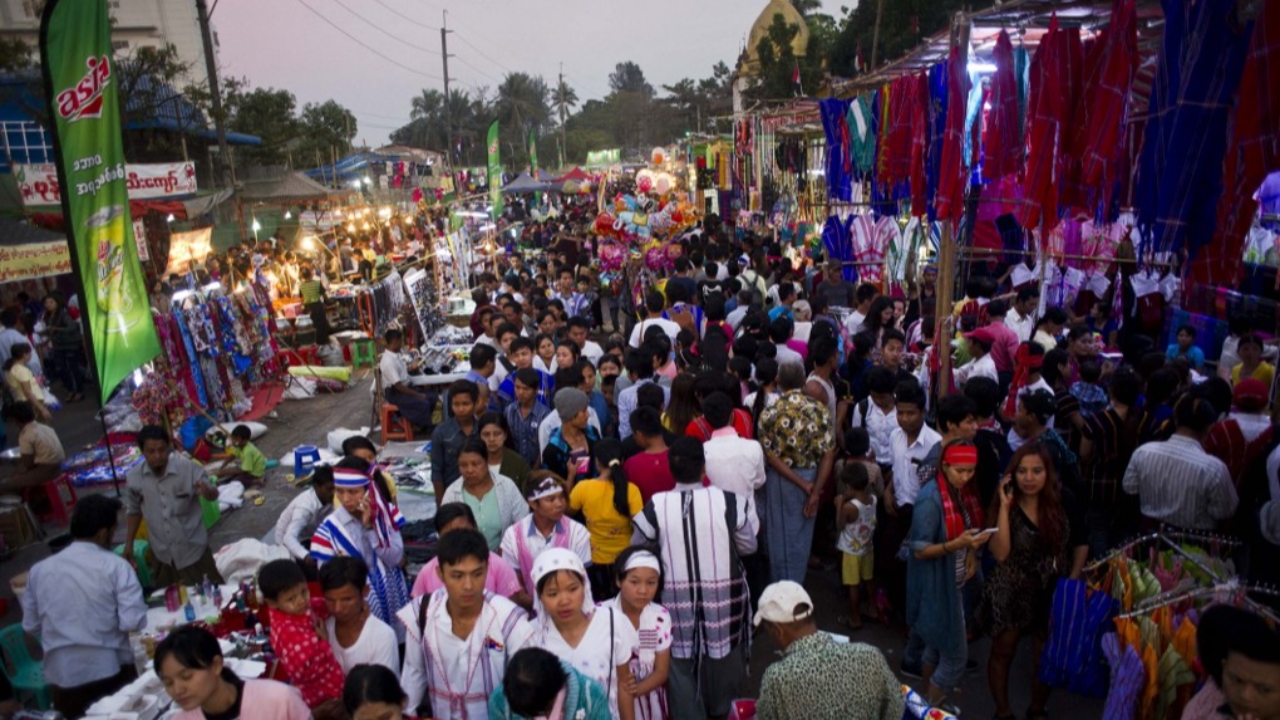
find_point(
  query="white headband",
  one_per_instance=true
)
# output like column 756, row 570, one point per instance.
column 643, row 559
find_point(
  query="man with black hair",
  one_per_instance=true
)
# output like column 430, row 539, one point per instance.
column 577, row 331
column 414, row 405
column 835, row 290
column 878, row 415
column 993, row 448
column 786, row 299
column 1031, row 422
column 356, row 636
column 736, row 316
column 780, row 331
column 525, row 414
column 40, row 452
column 1004, row 341
column 654, row 305
column 1106, row 443
column 957, row 419
column 1021, row 318
column 1176, row 481
column 448, row 437
column 166, row 490
column 640, row 365
column 703, row 532
column 82, row 603
column 484, row 363
column 734, row 463
column 683, row 312
column 298, row 523
column 864, row 296
column 575, row 303
column 683, row 279
column 459, row 638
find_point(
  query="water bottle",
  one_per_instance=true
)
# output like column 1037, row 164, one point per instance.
column 189, row 612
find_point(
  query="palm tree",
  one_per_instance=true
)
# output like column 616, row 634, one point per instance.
column 522, row 102
column 563, row 99
column 427, row 106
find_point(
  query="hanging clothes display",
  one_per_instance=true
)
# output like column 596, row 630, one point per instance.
column 839, row 180
column 1201, row 61
column 1105, row 134
column 952, row 176
column 1046, row 110
column 862, row 139
column 1003, row 142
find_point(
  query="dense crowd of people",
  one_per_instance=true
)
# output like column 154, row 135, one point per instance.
column 619, row 517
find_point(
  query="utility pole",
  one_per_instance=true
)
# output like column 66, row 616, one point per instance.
column 224, row 171
column 875, row 35
column 444, row 57
column 564, row 142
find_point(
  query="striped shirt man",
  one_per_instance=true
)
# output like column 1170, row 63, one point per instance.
column 1179, row 484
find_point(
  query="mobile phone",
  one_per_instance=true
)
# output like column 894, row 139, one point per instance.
column 988, row 531
column 1008, row 490
column 583, row 464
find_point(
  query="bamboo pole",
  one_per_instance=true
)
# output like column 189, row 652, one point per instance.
column 947, row 249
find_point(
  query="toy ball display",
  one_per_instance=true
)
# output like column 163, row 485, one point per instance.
column 658, row 155
column 604, row 224
column 644, row 183
column 655, row 258
column 663, row 185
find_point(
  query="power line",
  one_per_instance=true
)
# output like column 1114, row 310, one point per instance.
column 375, row 26
column 463, row 60
column 406, row 17
column 361, row 43
column 480, row 52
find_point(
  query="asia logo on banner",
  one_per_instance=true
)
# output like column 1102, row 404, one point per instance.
column 38, row 184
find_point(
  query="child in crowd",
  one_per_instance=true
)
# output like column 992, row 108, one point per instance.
column 1088, row 390
column 247, row 464
column 638, row 574
column 857, row 449
column 892, row 351
column 1185, row 347
column 298, row 636
column 856, row 514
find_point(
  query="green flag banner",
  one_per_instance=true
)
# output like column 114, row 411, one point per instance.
column 495, row 172
column 83, row 94
column 533, row 162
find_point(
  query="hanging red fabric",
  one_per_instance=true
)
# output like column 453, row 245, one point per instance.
column 1253, row 149
column 1083, row 61
column 920, row 147
column 1003, row 141
column 1045, row 111
column 1104, row 148
column 953, row 176
column 902, row 108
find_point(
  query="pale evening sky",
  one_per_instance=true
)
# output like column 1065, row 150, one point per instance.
column 283, row 44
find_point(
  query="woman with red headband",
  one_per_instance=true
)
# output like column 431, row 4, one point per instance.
column 946, row 533
column 1040, row 537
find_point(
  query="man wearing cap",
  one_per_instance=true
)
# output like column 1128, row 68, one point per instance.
column 818, row 678
column 545, row 527
column 569, row 452
column 702, row 531
column 983, row 364
column 1238, row 440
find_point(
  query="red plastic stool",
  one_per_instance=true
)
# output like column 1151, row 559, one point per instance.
column 291, row 358
column 59, row 507
column 310, row 354
column 394, row 425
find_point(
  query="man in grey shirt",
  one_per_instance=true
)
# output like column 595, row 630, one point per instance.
column 166, row 491
column 837, row 291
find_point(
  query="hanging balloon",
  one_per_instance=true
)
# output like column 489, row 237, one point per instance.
column 674, row 252
column 663, row 185
column 655, row 259
column 604, row 225
column 658, row 156
column 612, row 256
column 644, row 183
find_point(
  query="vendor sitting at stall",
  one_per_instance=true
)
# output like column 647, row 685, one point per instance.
column 415, row 406
column 40, row 452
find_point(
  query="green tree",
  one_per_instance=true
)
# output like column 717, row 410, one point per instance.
column 326, row 128
column 904, row 25
column 521, row 106
column 271, row 115
column 627, row 77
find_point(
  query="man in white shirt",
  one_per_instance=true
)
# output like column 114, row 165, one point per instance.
column 545, row 527
column 734, row 463
column 1176, row 481
column 1022, row 317
column 459, row 640
column 83, row 603
column 779, row 333
column 909, row 445
column 865, row 295
column 654, row 304
column 878, row 415
column 578, row 327
column 983, row 364
column 412, row 404
column 304, row 514
column 355, row 635
column 735, row 318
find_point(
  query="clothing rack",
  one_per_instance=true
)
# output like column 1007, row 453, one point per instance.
column 1166, row 538
column 1066, row 256
column 1227, row 589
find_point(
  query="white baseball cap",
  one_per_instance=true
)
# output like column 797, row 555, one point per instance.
column 784, row 602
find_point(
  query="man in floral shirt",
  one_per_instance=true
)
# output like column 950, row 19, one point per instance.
column 799, row 446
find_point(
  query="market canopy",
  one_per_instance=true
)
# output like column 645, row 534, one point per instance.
column 523, row 185
column 293, row 188
column 577, row 174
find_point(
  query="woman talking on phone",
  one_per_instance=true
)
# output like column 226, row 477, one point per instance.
column 1040, row 537
column 366, row 525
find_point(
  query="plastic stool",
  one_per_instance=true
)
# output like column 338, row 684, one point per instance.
column 362, row 353
column 140, row 548
column 59, row 507
column 310, row 354
column 305, row 458
column 394, row 425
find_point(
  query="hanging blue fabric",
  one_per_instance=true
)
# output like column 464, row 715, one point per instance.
column 937, row 128
column 839, row 244
column 193, row 360
column 1180, row 171
column 839, row 182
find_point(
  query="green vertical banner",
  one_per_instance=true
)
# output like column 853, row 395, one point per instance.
column 533, row 162
column 560, row 152
column 495, row 172
column 80, row 83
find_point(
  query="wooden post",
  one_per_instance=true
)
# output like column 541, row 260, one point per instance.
column 947, row 249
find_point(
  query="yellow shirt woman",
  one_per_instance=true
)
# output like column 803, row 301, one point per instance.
column 1265, row 372
column 22, row 382
column 610, row 532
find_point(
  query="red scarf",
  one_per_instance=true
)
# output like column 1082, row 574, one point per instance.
column 967, row 513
